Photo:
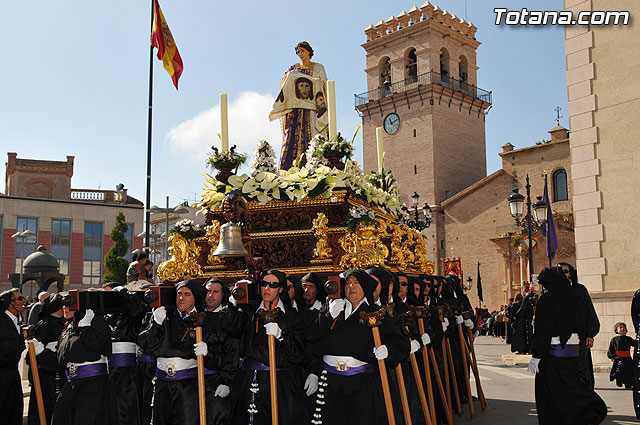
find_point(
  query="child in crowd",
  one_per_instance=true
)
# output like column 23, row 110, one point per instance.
column 620, row 354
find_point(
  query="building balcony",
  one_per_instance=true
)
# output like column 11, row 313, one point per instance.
column 423, row 83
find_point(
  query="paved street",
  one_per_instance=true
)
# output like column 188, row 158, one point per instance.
column 510, row 391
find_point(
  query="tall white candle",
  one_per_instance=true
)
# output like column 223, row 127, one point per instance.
column 380, row 148
column 331, row 108
column 224, row 122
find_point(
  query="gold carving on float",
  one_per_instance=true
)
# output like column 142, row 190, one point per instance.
column 363, row 248
column 213, row 238
column 184, row 260
column 322, row 251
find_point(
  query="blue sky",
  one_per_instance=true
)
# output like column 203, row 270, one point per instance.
column 75, row 80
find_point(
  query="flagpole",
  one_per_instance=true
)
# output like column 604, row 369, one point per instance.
column 147, row 215
column 547, row 222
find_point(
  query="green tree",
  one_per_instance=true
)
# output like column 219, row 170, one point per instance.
column 114, row 261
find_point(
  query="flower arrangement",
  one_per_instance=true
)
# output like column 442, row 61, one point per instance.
column 299, row 183
column 187, row 229
column 324, row 145
column 230, row 159
column 359, row 215
column 384, row 180
column 520, row 240
column 264, row 159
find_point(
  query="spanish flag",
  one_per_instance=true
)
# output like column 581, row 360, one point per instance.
column 162, row 39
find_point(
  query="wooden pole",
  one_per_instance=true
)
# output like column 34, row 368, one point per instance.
column 454, row 384
column 403, row 395
column 447, row 406
column 272, row 380
column 465, row 366
column 427, row 373
column 201, row 392
column 483, row 400
column 445, row 364
column 416, row 376
column 383, row 377
column 36, row 376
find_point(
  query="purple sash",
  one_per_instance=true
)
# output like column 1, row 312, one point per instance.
column 210, row 372
column 122, row 360
column 569, row 350
column 145, row 358
column 86, row 371
column 254, row 365
column 349, row 371
column 179, row 375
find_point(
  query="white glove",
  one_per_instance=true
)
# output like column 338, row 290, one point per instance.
column 468, row 323
column 311, row 384
column 52, row 346
column 533, row 366
column 37, row 345
column 273, row 329
column 200, row 348
column 159, row 314
column 415, row 346
column 122, row 288
column 234, row 302
column 88, row 317
column 459, row 320
column 222, row 391
column 335, row 307
column 476, row 334
column 426, row 339
column 445, row 324
column 381, row 352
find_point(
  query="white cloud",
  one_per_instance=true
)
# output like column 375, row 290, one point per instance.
column 248, row 121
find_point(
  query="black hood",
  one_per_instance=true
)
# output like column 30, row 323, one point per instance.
column 282, row 280
column 198, row 291
column 385, row 280
column 367, row 283
column 313, row 278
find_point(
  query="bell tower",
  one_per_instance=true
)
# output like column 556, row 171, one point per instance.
column 422, row 89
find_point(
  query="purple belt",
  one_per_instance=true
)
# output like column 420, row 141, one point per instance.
column 122, row 360
column 145, row 358
column 349, row 371
column 86, row 371
column 177, row 375
column 210, row 372
column 254, row 365
column 569, row 350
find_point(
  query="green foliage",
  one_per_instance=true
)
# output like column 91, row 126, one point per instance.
column 114, row 261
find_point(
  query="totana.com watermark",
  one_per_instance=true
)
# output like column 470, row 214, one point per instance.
column 563, row 17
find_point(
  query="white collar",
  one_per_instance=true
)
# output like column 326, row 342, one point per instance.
column 348, row 307
column 280, row 304
column 185, row 314
column 317, row 305
column 217, row 309
column 404, row 300
column 377, row 302
column 295, row 305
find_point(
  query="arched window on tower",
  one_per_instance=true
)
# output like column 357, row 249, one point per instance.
column 411, row 67
column 385, row 77
column 463, row 73
column 444, row 65
column 560, row 192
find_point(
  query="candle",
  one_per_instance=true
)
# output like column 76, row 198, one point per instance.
column 224, row 122
column 331, row 109
column 380, row 148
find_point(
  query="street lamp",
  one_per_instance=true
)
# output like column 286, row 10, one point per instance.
column 529, row 223
column 416, row 223
column 22, row 236
column 467, row 287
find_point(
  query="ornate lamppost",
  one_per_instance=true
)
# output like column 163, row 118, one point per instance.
column 416, row 223
column 529, row 223
column 22, row 237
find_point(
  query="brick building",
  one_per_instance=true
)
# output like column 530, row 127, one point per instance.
column 73, row 224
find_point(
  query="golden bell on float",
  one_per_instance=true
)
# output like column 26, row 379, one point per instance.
column 230, row 244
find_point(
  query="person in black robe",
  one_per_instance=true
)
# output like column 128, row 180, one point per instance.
column 170, row 336
column 252, row 387
column 635, row 318
column 83, row 348
column 45, row 339
column 509, row 314
column 620, row 354
column 350, row 390
column 224, row 348
column 561, row 396
column 123, row 365
column 588, row 323
column 11, row 347
column 522, row 325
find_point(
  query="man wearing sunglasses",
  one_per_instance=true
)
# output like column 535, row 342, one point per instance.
column 11, row 346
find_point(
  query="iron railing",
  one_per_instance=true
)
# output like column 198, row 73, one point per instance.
column 421, row 80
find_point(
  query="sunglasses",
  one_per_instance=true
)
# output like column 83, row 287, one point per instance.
column 20, row 298
column 264, row 284
column 404, row 284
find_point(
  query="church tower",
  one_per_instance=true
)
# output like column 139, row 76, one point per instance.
column 423, row 90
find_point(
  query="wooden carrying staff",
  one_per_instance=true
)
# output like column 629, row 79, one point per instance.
column 406, row 317
column 465, row 365
column 421, row 314
column 374, row 320
column 474, row 362
column 28, row 334
column 198, row 321
column 270, row 316
column 440, row 310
